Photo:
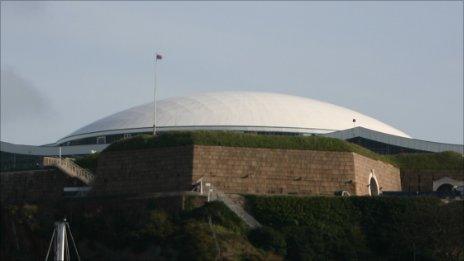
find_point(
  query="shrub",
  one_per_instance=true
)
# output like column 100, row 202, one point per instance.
column 89, row 162
column 220, row 214
column 158, row 226
column 389, row 228
column 319, row 242
column 268, row 239
column 197, row 242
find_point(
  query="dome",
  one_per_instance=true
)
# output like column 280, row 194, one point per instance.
column 241, row 111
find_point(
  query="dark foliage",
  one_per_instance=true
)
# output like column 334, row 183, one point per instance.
column 89, row 162
column 269, row 239
column 364, row 228
column 220, row 214
column 122, row 230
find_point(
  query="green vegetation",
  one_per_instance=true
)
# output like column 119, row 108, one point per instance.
column 231, row 139
column 448, row 161
column 295, row 228
column 88, row 161
column 127, row 230
column 381, row 228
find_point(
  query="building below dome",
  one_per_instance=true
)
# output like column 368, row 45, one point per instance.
column 231, row 169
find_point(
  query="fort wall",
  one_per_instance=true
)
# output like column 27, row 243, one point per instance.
column 240, row 170
column 144, row 171
column 387, row 176
column 274, row 171
column 229, row 169
column 35, row 185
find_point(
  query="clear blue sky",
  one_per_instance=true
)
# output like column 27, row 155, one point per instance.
column 66, row 64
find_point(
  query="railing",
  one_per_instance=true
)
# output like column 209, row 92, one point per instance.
column 215, row 194
column 70, row 168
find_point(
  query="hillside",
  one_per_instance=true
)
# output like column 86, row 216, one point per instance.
column 295, row 228
column 359, row 228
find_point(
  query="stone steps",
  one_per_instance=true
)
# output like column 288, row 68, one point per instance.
column 235, row 203
column 70, row 168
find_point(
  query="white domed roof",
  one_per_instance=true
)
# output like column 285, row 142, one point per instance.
column 248, row 111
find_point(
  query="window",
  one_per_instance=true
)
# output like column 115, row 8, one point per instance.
column 101, row 140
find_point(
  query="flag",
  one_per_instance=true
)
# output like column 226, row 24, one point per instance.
column 159, row 56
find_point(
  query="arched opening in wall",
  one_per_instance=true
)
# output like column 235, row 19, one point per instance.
column 374, row 188
column 445, row 190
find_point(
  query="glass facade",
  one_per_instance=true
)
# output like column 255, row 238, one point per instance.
column 382, row 148
column 106, row 139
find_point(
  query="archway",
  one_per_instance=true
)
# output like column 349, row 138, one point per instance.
column 445, row 190
column 373, row 184
column 373, row 187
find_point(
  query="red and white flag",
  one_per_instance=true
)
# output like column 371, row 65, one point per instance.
column 159, row 56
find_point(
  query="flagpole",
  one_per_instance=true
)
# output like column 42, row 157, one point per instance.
column 154, row 97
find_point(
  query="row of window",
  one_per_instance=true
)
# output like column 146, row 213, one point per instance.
column 105, row 139
column 108, row 139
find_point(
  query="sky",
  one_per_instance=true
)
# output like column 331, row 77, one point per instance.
column 67, row 64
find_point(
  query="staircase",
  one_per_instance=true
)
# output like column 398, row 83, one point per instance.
column 234, row 206
column 70, row 168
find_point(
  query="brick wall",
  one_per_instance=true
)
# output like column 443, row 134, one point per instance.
column 36, row 185
column 273, row 171
column 279, row 171
column 387, row 176
column 144, row 171
column 230, row 169
column 239, row 170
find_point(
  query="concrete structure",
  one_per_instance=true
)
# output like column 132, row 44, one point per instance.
column 243, row 170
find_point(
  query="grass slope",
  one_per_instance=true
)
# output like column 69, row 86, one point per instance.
column 443, row 161
column 231, row 139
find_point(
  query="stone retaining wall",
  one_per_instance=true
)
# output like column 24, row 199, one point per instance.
column 386, row 175
column 229, row 169
column 144, row 171
column 274, row 171
column 35, row 185
column 240, row 170
column 280, row 171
